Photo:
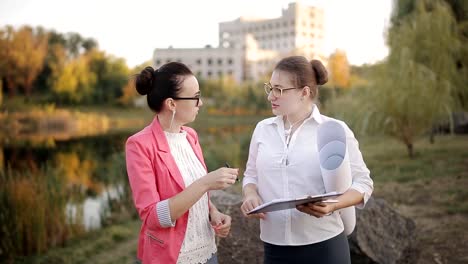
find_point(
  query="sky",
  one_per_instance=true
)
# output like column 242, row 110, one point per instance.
column 133, row 29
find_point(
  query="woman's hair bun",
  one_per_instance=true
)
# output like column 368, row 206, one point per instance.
column 144, row 80
column 321, row 74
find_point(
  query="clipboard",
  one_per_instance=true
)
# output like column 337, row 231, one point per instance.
column 288, row 203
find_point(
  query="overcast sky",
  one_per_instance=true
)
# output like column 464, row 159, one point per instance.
column 133, row 29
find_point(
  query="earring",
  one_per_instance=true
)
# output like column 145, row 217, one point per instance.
column 172, row 120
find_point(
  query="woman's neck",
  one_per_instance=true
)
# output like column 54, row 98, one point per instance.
column 165, row 121
column 295, row 118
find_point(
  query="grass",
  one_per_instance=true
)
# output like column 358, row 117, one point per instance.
column 114, row 244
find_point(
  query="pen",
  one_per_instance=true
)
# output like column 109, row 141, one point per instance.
column 227, row 166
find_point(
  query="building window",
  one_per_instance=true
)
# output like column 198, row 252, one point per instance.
column 209, row 73
column 220, row 73
column 158, row 62
column 168, row 60
column 230, row 72
column 198, row 61
column 209, row 61
column 220, row 62
column 229, row 61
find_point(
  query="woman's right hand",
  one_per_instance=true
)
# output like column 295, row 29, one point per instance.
column 220, row 178
column 251, row 201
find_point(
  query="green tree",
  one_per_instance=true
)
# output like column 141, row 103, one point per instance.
column 111, row 76
column 415, row 86
column 405, row 10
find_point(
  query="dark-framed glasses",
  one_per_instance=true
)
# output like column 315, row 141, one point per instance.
column 197, row 98
column 277, row 92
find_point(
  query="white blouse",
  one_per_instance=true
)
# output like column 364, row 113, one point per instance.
column 199, row 242
column 282, row 171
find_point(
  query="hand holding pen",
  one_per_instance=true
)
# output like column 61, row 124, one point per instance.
column 227, row 166
column 219, row 179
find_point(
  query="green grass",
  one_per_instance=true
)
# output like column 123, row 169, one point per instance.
column 101, row 246
column 388, row 160
column 436, row 177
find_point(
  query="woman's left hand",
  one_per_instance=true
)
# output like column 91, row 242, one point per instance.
column 317, row 209
column 221, row 223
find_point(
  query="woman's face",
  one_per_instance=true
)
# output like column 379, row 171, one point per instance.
column 290, row 100
column 187, row 109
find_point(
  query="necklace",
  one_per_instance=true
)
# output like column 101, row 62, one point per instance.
column 288, row 132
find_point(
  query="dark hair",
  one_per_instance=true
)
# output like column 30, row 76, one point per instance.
column 162, row 83
column 304, row 73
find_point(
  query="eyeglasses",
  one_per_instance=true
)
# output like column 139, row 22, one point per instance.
column 197, row 98
column 277, row 92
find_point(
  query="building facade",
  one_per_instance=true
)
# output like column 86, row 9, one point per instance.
column 250, row 47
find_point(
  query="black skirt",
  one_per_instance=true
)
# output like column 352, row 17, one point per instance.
column 332, row 251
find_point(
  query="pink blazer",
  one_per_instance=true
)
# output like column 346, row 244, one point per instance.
column 153, row 177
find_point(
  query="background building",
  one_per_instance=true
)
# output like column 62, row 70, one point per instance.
column 249, row 47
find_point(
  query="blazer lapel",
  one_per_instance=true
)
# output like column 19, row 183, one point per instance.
column 165, row 153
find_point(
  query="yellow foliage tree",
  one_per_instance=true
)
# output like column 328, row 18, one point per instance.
column 74, row 81
column 22, row 56
column 339, row 70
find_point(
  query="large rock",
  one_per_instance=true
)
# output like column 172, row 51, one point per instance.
column 381, row 234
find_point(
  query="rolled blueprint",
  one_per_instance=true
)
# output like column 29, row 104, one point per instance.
column 335, row 167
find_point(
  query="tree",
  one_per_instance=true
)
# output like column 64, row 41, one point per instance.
column 22, row 56
column 111, row 76
column 414, row 87
column 74, row 81
column 339, row 70
column 406, row 9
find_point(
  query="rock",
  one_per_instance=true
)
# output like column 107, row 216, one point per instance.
column 381, row 234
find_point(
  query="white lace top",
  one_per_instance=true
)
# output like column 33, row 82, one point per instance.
column 199, row 242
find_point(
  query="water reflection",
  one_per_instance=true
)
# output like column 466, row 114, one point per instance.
column 79, row 184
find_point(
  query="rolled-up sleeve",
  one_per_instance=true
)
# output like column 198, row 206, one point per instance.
column 164, row 214
column 361, row 180
column 250, row 174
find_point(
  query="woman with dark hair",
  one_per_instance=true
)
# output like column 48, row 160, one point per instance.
column 283, row 162
column 168, row 175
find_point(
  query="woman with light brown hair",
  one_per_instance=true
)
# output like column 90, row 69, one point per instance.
column 283, row 163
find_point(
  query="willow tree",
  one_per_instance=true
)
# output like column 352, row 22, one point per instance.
column 414, row 87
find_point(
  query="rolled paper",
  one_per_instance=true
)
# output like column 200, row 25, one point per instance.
column 335, row 167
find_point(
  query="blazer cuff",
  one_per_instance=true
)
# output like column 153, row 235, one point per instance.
column 164, row 214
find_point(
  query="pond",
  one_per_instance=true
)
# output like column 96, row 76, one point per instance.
column 55, row 189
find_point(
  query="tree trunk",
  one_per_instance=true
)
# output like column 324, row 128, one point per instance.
column 431, row 137
column 409, row 147
column 1, row 93
column 10, row 87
